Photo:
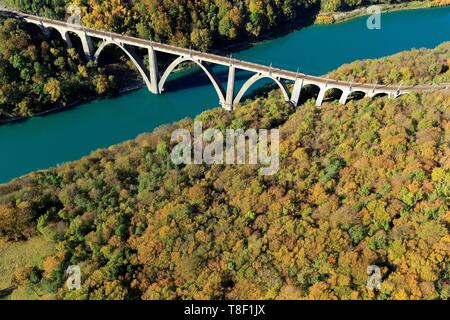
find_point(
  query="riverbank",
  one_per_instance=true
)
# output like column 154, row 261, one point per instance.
column 316, row 17
column 338, row 17
column 135, row 86
column 313, row 17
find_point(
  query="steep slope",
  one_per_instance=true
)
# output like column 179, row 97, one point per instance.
column 203, row 24
column 362, row 184
column 39, row 73
column 418, row 66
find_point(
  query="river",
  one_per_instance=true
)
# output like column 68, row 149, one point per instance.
column 46, row 141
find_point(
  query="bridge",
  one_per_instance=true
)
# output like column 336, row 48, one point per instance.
column 155, row 81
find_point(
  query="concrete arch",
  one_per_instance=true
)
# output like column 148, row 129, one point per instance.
column 379, row 95
column 309, row 90
column 341, row 94
column 63, row 34
column 73, row 35
column 46, row 28
column 78, row 40
column 131, row 54
column 35, row 28
column 255, row 79
column 66, row 37
column 72, row 38
column 308, row 85
column 321, row 95
column 395, row 95
column 48, row 31
column 353, row 93
column 328, row 89
column 212, row 77
column 86, row 41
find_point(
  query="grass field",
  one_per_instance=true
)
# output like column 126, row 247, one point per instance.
column 20, row 254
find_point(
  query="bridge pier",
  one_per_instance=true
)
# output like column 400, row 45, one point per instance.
column 371, row 94
column 153, row 70
column 295, row 97
column 66, row 38
column 88, row 46
column 229, row 99
column 321, row 95
column 344, row 96
column 394, row 95
column 44, row 30
column 86, row 41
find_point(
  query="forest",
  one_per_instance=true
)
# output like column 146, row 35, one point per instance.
column 201, row 24
column 366, row 183
column 39, row 73
column 418, row 66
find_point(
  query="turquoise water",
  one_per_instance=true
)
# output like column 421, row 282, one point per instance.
column 43, row 142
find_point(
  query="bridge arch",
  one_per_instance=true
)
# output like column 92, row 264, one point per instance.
column 395, row 94
column 49, row 31
column 212, row 77
column 131, row 54
column 52, row 32
column 73, row 38
column 255, row 79
column 356, row 95
column 378, row 95
column 34, row 28
column 332, row 93
column 309, row 90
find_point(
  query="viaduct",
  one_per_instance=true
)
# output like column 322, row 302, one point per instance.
column 155, row 80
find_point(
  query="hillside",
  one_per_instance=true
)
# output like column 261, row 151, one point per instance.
column 38, row 73
column 362, row 184
column 418, row 66
column 202, row 24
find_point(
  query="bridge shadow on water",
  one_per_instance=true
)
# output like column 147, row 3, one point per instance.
column 196, row 78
